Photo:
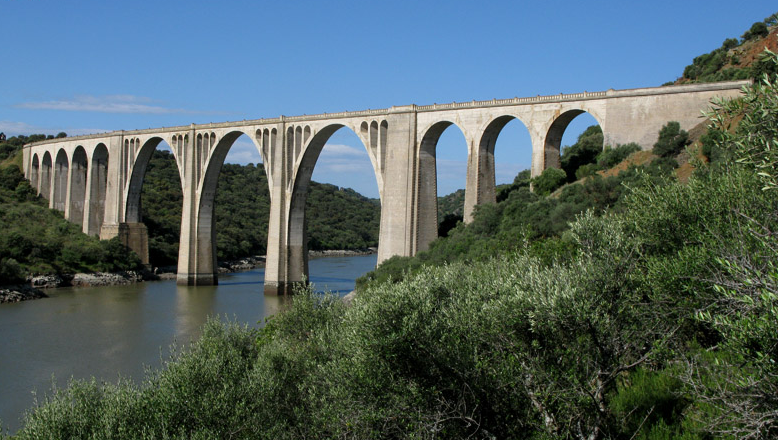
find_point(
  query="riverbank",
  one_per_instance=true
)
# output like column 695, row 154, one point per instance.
column 16, row 293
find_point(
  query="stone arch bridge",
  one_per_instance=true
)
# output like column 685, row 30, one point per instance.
column 96, row 179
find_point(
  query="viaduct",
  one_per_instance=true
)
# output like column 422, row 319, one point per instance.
column 96, row 179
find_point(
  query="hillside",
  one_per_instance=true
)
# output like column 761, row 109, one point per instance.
column 736, row 58
column 37, row 240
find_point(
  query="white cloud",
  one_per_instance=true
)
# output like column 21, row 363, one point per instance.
column 13, row 128
column 103, row 104
column 343, row 150
column 242, row 152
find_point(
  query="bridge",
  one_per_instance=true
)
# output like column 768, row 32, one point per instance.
column 96, row 179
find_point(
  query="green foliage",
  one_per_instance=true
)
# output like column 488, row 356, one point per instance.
column 754, row 141
column 583, row 152
column 671, row 141
column 37, row 240
column 341, row 218
column 757, row 30
column 610, row 157
column 549, row 180
column 451, row 205
column 724, row 64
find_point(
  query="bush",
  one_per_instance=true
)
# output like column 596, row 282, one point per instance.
column 584, row 151
column 757, row 30
column 549, row 180
column 672, row 140
column 609, row 157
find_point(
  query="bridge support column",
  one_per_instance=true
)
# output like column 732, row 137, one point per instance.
column 401, row 201
column 480, row 184
column 277, row 257
column 196, row 252
column 133, row 235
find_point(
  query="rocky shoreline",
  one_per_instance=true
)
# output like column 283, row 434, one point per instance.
column 16, row 293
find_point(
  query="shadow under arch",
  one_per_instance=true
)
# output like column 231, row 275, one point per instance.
column 44, row 188
column 553, row 138
column 487, row 166
column 98, row 179
column 427, row 201
column 78, row 175
column 297, row 241
column 35, row 172
column 60, row 181
column 205, row 227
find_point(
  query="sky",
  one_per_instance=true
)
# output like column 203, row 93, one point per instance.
column 96, row 66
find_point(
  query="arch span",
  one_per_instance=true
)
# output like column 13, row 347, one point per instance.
column 134, row 232
column 78, row 176
column 297, row 242
column 35, row 172
column 553, row 138
column 486, row 166
column 98, row 184
column 205, row 234
column 60, row 181
column 44, row 188
column 427, row 182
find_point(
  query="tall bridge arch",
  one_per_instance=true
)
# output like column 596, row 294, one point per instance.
column 96, row 179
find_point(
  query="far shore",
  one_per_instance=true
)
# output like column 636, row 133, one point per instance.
column 34, row 288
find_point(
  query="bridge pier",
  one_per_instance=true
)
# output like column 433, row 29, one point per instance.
column 133, row 235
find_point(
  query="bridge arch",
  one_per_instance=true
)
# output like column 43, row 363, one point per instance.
column 206, row 242
column 60, row 181
column 98, row 186
column 137, row 159
column 44, row 187
column 485, row 158
column 35, row 172
column 297, row 238
column 427, row 212
column 78, row 176
column 553, row 139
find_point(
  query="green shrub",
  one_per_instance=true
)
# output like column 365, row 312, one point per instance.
column 609, row 157
column 549, row 180
column 672, row 140
column 583, row 152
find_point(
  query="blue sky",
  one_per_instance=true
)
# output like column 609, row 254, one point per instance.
column 95, row 66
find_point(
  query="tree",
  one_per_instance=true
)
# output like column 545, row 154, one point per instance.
column 755, row 140
column 758, row 30
column 584, row 151
column 671, row 140
column 549, row 180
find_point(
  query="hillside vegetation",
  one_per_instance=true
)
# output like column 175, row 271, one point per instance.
column 37, row 240
column 736, row 58
column 656, row 319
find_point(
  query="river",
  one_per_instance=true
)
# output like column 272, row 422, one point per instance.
column 107, row 332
